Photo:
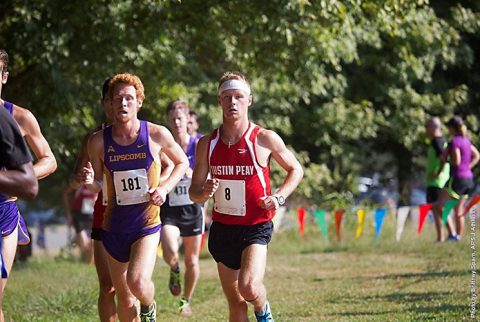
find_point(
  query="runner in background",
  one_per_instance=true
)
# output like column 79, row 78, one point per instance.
column 181, row 218
column 79, row 213
column 106, row 294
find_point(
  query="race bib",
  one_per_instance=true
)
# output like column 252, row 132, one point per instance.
column 87, row 206
column 131, row 187
column 230, row 198
column 179, row 195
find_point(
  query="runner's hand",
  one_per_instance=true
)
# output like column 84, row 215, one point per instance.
column 269, row 203
column 87, row 175
column 210, row 186
column 157, row 195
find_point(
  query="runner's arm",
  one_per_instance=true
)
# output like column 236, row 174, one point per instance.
column 20, row 182
column 475, row 156
column 175, row 153
column 46, row 163
column 95, row 155
column 202, row 188
column 270, row 140
column 167, row 167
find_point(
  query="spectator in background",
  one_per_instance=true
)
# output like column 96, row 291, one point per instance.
column 462, row 156
column 435, row 183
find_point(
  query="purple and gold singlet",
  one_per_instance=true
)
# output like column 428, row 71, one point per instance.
column 130, row 171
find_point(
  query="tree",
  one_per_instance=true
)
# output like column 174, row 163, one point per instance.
column 348, row 84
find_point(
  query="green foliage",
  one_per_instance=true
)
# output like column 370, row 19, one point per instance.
column 342, row 81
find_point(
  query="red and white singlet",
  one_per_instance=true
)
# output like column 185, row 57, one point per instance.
column 243, row 181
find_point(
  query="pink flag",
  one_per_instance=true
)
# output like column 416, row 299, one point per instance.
column 423, row 209
column 338, row 222
column 301, row 219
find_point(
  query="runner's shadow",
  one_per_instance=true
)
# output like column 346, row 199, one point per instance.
column 419, row 276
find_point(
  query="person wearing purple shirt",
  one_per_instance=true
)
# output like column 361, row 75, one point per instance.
column 462, row 156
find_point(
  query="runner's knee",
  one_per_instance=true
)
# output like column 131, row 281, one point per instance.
column 248, row 291
column 138, row 284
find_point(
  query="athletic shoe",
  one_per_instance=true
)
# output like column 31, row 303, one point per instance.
column 185, row 308
column 454, row 238
column 265, row 315
column 150, row 316
column 174, row 283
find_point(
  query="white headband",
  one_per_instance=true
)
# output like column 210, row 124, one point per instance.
column 234, row 84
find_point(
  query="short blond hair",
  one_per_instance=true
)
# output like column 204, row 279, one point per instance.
column 232, row 75
column 130, row 79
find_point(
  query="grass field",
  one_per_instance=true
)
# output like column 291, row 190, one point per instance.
column 309, row 279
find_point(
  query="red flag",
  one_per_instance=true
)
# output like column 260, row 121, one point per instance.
column 301, row 219
column 423, row 210
column 470, row 204
column 338, row 222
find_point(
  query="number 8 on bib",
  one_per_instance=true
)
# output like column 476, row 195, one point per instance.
column 230, row 198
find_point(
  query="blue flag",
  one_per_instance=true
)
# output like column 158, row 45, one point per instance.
column 379, row 217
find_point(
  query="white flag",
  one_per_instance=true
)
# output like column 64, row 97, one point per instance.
column 402, row 214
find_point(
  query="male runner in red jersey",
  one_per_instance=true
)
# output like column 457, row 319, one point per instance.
column 232, row 165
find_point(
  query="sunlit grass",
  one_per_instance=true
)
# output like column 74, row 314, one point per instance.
column 308, row 279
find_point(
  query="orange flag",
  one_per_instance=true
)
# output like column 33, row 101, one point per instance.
column 423, row 210
column 338, row 222
column 301, row 219
column 471, row 203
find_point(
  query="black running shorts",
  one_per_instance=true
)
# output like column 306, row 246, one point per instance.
column 227, row 242
column 189, row 219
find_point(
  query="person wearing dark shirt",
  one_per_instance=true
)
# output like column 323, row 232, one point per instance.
column 17, row 178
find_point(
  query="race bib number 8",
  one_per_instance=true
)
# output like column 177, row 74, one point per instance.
column 131, row 187
column 179, row 195
column 230, row 198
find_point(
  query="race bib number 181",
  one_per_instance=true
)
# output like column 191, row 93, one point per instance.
column 131, row 187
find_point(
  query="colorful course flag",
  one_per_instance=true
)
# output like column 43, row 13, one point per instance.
column 301, row 220
column 423, row 209
column 320, row 216
column 471, row 203
column 338, row 222
column 402, row 214
column 361, row 220
column 447, row 208
column 379, row 217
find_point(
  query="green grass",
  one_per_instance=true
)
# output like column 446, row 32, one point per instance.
column 309, row 279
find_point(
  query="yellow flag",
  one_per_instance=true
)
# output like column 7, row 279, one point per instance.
column 361, row 220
